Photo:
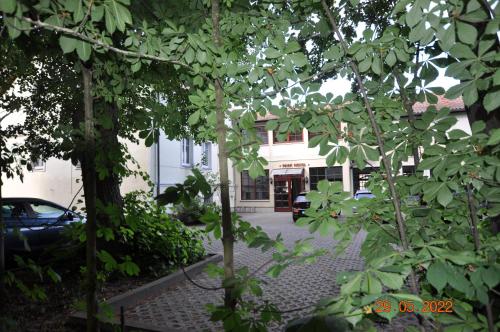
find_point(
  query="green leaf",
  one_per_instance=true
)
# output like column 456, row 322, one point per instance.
column 496, row 77
column 491, row 276
column 390, row 280
column 492, row 101
column 201, row 57
column 83, row 50
column 414, row 16
column 365, row 64
column 272, row 53
column 120, row 14
column 189, row 55
column 462, row 51
column 371, row 285
column 353, row 285
column 376, row 65
column 444, row 196
column 8, row 6
column 68, row 45
column 494, row 138
column 390, row 59
column 466, row 33
column 437, row 275
column 194, row 118
column 447, row 39
column 333, row 53
column 299, row 59
column 136, row 66
column 13, row 27
column 109, row 20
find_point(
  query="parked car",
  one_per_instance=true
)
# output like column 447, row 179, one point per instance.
column 34, row 224
column 362, row 193
column 300, row 204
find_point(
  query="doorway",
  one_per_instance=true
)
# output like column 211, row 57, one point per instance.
column 286, row 188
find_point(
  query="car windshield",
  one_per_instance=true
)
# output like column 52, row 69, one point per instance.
column 46, row 211
column 301, row 199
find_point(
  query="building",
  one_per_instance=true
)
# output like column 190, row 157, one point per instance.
column 294, row 167
column 166, row 162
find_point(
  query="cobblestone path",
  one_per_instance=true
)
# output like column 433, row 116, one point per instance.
column 182, row 307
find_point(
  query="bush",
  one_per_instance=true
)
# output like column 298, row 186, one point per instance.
column 152, row 236
column 190, row 213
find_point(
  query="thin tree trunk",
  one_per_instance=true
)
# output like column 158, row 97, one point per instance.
column 387, row 165
column 408, row 104
column 227, row 231
column 2, row 261
column 477, row 245
column 89, row 186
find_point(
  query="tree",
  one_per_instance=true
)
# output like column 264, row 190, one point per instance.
column 243, row 55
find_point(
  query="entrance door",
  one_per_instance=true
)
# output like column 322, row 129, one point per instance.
column 286, row 188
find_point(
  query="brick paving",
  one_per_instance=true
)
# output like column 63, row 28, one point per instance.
column 183, row 305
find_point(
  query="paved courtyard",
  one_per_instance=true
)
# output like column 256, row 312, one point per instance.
column 183, row 306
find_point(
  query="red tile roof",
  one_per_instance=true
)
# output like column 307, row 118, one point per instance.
column 456, row 105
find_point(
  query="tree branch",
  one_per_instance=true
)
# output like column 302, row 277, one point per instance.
column 100, row 43
column 390, row 180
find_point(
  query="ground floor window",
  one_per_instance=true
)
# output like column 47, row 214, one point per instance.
column 317, row 174
column 254, row 189
column 360, row 177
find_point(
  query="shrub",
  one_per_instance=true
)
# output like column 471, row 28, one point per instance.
column 190, row 213
column 151, row 235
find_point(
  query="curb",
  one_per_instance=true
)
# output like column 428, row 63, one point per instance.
column 133, row 297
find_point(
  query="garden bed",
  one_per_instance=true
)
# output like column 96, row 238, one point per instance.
column 57, row 312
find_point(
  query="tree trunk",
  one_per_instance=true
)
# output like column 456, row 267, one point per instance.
column 89, row 187
column 2, row 260
column 227, row 231
column 108, row 189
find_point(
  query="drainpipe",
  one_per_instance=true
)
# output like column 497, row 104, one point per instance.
column 158, row 165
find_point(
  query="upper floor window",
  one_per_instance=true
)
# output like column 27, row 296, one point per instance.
column 38, row 165
column 408, row 170
column 291, row 137
column 261, row 131
column 186, row 152
column 206, row 157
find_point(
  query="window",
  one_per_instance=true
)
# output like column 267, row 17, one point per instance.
column 38, row 165
column 46, row 211
column 257, row 189
column 317, row 174
column 186, row 152
column 78, row 165
column 206, row 155
column 14, row 210
column 408, row 170
column 311, row 134
column 261, row 132
column 291, row 137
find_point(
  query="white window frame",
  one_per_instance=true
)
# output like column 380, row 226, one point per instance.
column 186, row 159
column 38, row 165
column 206, row 155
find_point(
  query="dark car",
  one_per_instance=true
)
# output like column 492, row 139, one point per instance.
column 300, row 204
column 32, row 224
